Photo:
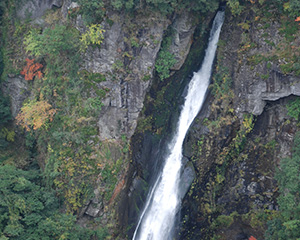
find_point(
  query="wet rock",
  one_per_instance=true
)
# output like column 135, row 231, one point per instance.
column 187, row 177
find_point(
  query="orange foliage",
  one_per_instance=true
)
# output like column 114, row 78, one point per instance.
column 297, row 19
column 31, row 70
column 252, row 238
column 35, row 114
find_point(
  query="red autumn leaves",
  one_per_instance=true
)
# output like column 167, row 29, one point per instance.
column 31, row 70
column 252, row 238
column 297, row 20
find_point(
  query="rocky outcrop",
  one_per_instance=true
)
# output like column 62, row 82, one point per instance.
column 127, row 59
column 235, row 168
column 256, row 79
column 18, row 90
column 128, row 70
column 35, row 9
column 183, row 27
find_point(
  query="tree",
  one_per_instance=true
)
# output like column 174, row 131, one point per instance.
column 93, row 36
column 31, row 70
column 28, row 211
column 5, row 115
column 35, row 114
column 287, row 224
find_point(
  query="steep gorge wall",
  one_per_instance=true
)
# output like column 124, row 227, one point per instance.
column 244, row 130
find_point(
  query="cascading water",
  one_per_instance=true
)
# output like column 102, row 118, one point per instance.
column 157, row 219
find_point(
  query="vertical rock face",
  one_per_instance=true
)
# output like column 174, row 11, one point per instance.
column 150, row 143
column 127, row 59
column 260, row 81
column 236, row 167
column 128, row 70
column 36, row 8
column 183, row 28
column 17, row 88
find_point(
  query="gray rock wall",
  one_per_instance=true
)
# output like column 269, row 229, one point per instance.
column 128, row 68
column 235, row 172
column 36, row 8
column 17, row 88
column 256, row 83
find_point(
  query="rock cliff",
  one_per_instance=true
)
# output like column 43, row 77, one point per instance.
column 235, row 166
column 234, row 145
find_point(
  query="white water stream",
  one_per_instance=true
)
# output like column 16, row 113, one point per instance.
column 157, row 219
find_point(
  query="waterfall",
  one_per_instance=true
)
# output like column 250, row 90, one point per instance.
column 163, row 203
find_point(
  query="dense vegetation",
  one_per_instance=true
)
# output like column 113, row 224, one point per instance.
column 29, row 210
column 40, row 196
column 94, row 10
column 286, row 225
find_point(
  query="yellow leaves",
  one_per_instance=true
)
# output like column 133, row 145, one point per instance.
column 84, row 119
column 248, row 123
column 286, row 6
column 93, row 36
column 9, row 135
column 99, row 165
column 244, row 48
column 49, row 148
column 35, row 114
column 244, row 25
column 73, row 195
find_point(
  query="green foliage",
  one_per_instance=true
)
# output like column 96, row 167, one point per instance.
column 275, row 230
column 163, row 64
column 289, row 29
column 1, row 62
column 222, row 83
column 117, row 4
column 77, row 99
column 167, row 7
column 5, row 115
column 29, row 211
column 292, row 7
column 256, row 59
column 165, row 59
column 6, row 134
column 93, row 11
column 235, row 7
column 52, row 41
column 223, row 221
column 287, row 225
column 134, row 42
column 293, row 108
column 93, row 36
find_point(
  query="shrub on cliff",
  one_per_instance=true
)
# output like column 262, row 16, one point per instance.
column 287, row 225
